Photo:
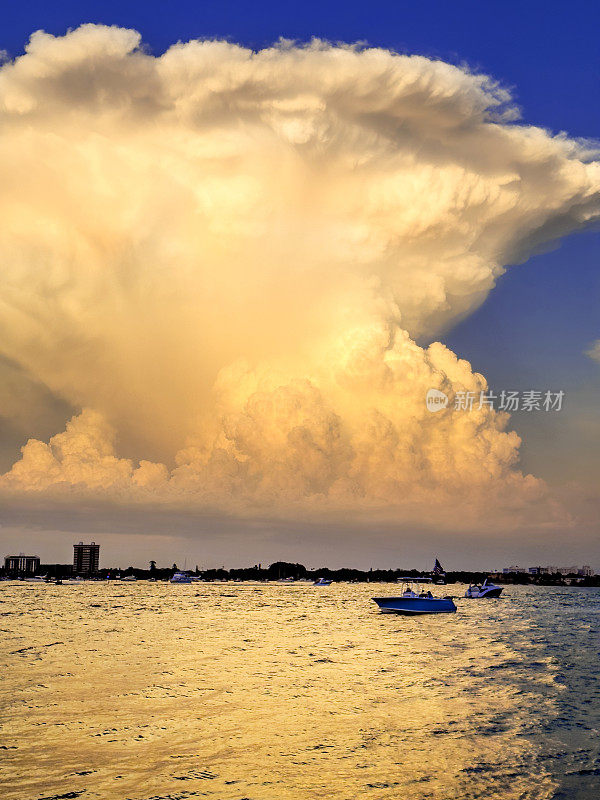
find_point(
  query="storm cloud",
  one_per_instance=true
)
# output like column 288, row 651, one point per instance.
column 232, row 267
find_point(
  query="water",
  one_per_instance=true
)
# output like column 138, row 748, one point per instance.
column 270, row 692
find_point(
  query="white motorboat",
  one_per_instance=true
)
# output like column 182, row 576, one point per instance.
column 128, row 578
column 322, row 582
column 487, row 589
column 181, row 577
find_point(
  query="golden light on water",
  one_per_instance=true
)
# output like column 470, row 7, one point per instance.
column 258, row 691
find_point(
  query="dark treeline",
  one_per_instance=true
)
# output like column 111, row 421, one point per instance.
column 281, row 570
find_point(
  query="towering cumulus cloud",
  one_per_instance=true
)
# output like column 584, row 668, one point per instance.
column 222, row 262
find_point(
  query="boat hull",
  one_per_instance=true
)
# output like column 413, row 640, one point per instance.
column 490, row 593
column 413, row 606
column 493, row 592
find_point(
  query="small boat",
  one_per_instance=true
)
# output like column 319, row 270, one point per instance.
column 181, row 577
column 322, row 582
column 128, row 578
column 487, row 589
column 412, row 602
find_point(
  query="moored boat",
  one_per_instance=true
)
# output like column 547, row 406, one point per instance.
column 438, row 574
column 413, row 603
column 322, row 582
column 181, row 577
column 487, row 589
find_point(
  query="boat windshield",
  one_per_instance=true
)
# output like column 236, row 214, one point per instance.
column 408, row 591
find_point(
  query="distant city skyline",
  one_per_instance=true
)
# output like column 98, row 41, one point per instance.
column 335, row 562
column 86, row 563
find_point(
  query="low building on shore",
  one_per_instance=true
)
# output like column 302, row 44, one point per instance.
column 21, row 566
column 56, row 570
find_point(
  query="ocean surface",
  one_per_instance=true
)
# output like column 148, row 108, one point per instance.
column 269, row 692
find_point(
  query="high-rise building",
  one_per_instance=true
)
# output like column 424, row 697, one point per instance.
column 86, row 558
column 21, row 565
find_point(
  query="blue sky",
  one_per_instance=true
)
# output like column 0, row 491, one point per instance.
column 531, row 333
column 546, row 51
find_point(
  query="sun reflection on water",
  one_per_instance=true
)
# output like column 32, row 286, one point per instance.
column 269, row 691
